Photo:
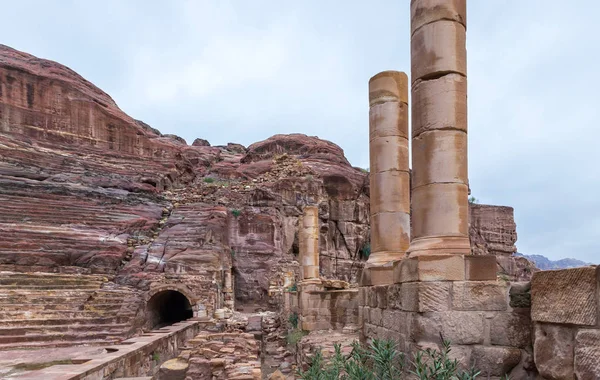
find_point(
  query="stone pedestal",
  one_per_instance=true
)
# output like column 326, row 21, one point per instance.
column 439, row 128
column 390, row 177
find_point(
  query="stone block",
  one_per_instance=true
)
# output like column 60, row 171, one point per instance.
column 553, row 350
column 463, row 327
column 479, row 295
column 174, row 369
column 496, row 361
column 587, row 355
column 254, row 323
column 480, row 268
column 390, row 192
column 430, row 268
column 426, row 296
column 427, row 11
column 394, row 294
column 568, row 296
column 380, row 293
column 444, row 218
column 388, row 153
column 443, row 151
column 509, row 329
column 388, row 86
column 460, row 327
column 462, row 354
column 438, row 48
column 388, row 230
column 375, row 316
column 375, row 275
column 398, row 321
column 440, row 104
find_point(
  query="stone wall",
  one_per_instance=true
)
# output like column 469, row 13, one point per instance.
column 565, row 309
column 487, row 322
column 329, row 309
column 139, row 356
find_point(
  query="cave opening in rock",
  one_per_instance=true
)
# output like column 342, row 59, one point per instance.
column 168, row 307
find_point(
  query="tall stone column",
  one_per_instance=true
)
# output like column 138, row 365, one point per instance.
column 390, row 177
column 439, row 128
column 308, row 237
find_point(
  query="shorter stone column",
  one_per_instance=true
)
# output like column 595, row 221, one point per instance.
column 390, row 177
column 309, row 243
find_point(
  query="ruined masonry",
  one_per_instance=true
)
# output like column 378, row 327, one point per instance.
column 129, row 253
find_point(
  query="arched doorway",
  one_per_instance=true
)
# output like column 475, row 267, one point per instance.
column 168, row 307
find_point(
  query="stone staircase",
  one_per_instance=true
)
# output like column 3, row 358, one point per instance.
column 58, row 310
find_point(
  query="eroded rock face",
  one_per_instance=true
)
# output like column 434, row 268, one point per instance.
column 84, row 185
column 493, row 231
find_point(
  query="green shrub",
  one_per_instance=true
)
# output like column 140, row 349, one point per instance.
column 292, row 288
column 209, row 180
column 156, row 356
column 381, row 361
column 365, row 251
column 473, row 200
column 235, row 212
column 232, row 252
column 293, row 320
column 295, row 335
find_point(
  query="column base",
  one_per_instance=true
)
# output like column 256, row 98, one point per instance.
column 448, row 267
column 436, row 245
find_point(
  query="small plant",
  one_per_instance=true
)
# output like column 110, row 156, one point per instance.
column 473, row 200
column 235, row 212
column 295, row 335
column 156, row 356
column 209, row 180
column 381, row 361
column 232, row 252
column 365, row 251
column 292, row 288
column 293, row 320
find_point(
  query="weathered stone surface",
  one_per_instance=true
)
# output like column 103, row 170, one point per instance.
column 438, row 48
column 443, row 150
column 493, row 230
column 587, row 354
column 431, row 267
column 553, row 351
column 427, row 11
column 566, row 296
column 426, row 201
column 480, row 268
column 139, row 204
column 460, row 327
column 439, row 104
column 479, row 295
column 174, row 369
column 511, row 329
column 496, row 361
column 390, row 178
column 425, row 296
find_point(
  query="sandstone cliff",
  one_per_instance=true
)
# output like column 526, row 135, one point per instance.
column 86, row 188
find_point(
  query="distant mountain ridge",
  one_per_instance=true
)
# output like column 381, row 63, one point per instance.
column 545, row 263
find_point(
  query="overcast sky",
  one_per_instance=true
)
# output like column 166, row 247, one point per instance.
column 242, row 71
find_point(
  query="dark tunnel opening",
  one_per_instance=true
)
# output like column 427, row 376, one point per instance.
column 168, row 307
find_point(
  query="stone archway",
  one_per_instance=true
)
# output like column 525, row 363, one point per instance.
column 167, row 306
